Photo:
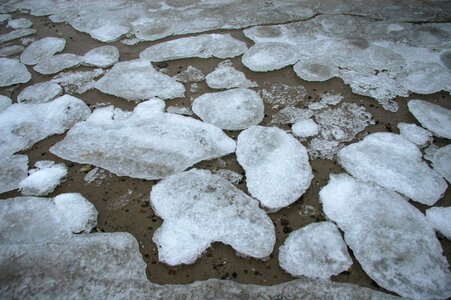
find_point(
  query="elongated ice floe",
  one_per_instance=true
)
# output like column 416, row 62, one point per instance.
column 440, row 219
column 40, row 92
column 102, row 57
column 43, row 179
column 16, row 34
column 276, row 164
column 415, row 134
column 225, row 76
column 41, row 49
column 390, row 238
column 20, row 23
column 13, row 72
column 56, row 63
column 441, row 162
column 432, row 116
column 11, row 50
column 146, row 143
column 13, row 169
column 190, row 202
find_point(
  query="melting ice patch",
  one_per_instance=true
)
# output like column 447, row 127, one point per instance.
column 40, row 93
column 191, row 74
column 102, row 57
column 43, row 179
column 225, row 76
column 190, row 202
column 41, row 49
column 442, row 162
column 440, row 219
column 13, row 72
column 13, row 169
column 432, row 116
column 78, row 82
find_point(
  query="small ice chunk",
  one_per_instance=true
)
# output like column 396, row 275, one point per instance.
column 317, row 106
column 43, row 180
column 130, row 41
column 432, row 116
column 234, row 109
column 27, row 41
column 96, row 175
column 191, row 74
column 180, row 110
column 56, row 63
column 16, row 34
column 40, row 92
column 280, row 94
column 291, row 115
column 393, row 162
column 20, row 23
column 429, row 152
column 138, row 80
column 194, row 87
column 225, row 76
column 231, row 176
column 41, row 49
column 11, row 50
column 4, row 102
column 76, row 212
column 13, row 72
column 78, row 82
column 276, row 164
column 13, row 169
column 440, row 219
column 190, row 202
column 320, row 147
column 4, row 17
column 329, row 99
column 102, row 57
column 263, row 57
column 203, row 46
column 305, row 128
column 390, row 238
column 442, row 162
column 316, row 251
column 416, row 134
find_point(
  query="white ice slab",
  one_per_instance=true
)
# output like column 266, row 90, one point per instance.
column 11, row 50
column 263, row 57
column 432, row 116
column 225, row 76
column 20, row 23
column 40, row 92
column 57, row 63
column 43, row 180
column 440, row 219
column 305, row 128
column 441, row 162
column 102, row 57
column 41, row 49
column 415, row 134
column 13, row 72
column 13, row 169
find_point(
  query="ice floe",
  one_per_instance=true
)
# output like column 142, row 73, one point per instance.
column 138, row 80
column 43, row 179
column 13, row 72
column 234, row 109
column 316, row 251
column 281, row 95
column 40, row 93
column 4, row 102
column 78, row 82
column 225, row 76
column 390, row 238
column 276, row 164
column 41, row 49
column 432, row 116
column 263, row 57
column 305, row 128
column 13, row 169
column 11, row 50
column 4, row 17
column 20, row 23
column 77, row 212
column 146, row 143
column 415, row 134
column 190, row 202
column 102, row 57
column 191, row 74
column 440, row 219
column 441, row 162
column 57, row 63
column 393, row 162
column 16, row 34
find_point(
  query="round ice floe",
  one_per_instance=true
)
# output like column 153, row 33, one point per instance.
column 427, row 78
column 109, row 32
column 12, row 72
column 43, row 180
column 276, row 164
column 4, row 102
column 305, row 128
column 432, row 116
column 76, row 212
column 264, row 57
column 198, row 209
column 56, row 63
column 231, row 110
column 42, row 48
column 316, row 250
column 314, row 71
column 442, row 162
column 19, row 23
column 440, row 219
column 40, row 93
column 414, row 133
column 102, row 57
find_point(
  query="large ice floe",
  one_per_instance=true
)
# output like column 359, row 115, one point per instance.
column 432, row 116
column 440, row 219
column 203, row 46
column 138, row 80
column 391, row 161
column 191, row 202
column 234, row 109
column 390, row 238
column 57, row 63
column 276, row 164
column 13, row 169
column 441, row 162
column 41, row 49
column 43, row 179
column 102, row 57
column 13, row 72
column 225, row 76
column 146, row 143
column 40, row 93
column 316, row 250
column 22, row 125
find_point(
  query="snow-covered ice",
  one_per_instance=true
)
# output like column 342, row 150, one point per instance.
column 320, row 147
column 138, row 80
column 393, row 162
column 190, row 202
column 4, row 102
column 305, row 128
column 316, row 251
column 390, row 238
column 276, row 164
column 191, row 74
column 440, row 219
column 16, row 34
column 56, row 63
column 102, row 57
column 41, row 49
column 77, row 82
column 234, row 109
column 225, row 76
column 43, row 179
column 13, row 72
column 13, row 169
column 11, row 50
column 263, row 57
column 280, row 94
column 415, row 134
column 291, row 115
column 40, row 92
column 20, row 23
column 441, row 162
column 432, row 116
column 78, row 213
column 146, row 143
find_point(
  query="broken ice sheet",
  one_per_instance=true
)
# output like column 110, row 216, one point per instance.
column 15, row 34
column 43, row 179
column 78, row 82
column 316, row 251
column 13, row 169
column 234, row 109
column 440, row 219
column 393, row 162
column 432, row 116
column 202, row 46
column 281, row 95
column 225, row 76
column 323, row 148
column 146, row 143
column 13, row 72
column 430, row 151
column 276, row 164
column 56, row 63
column 415, row 134
column 41, row 49
column 291, row 115
column 138, row 80
column 441, row 162
column 190, row 202
column 102, row 57
column 20, row 23
column 191, row 74
column 390, row 238
column 263, row 57
column 40, row 93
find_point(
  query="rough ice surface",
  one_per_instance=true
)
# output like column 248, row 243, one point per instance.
column 13, row 72
column 440, row 219
column 22, row 125
column 11, row 50
column 390, row 238
column 57, row 63
column 79, row 214
column 191, row 74
column 41, row 49
column 329, row 99
column 291, row 115
column 234, row 109
column 441, row 162
column 225, row 76
column 203, row 46
column 102, row 57
column 16, row 34
column 78, row 82
column 317, row 106
column 40, row 92
column 316, row 251
column 429, row 152
column 4, row 102
column 96, row 176
column 146, row 143
column 276, row 164
column 20, row 23
column 4, row 17
column 393, row 162
column 190, row 202
column 43, row 180
column 415, row 134
column 180, row 110
column 320, row 147
column 305, row 128
column 138, row 80
column 229, row 175
column 281, row 95
column 263, row 57
column 432, row 116
column 27, row 40
column 13, row 169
